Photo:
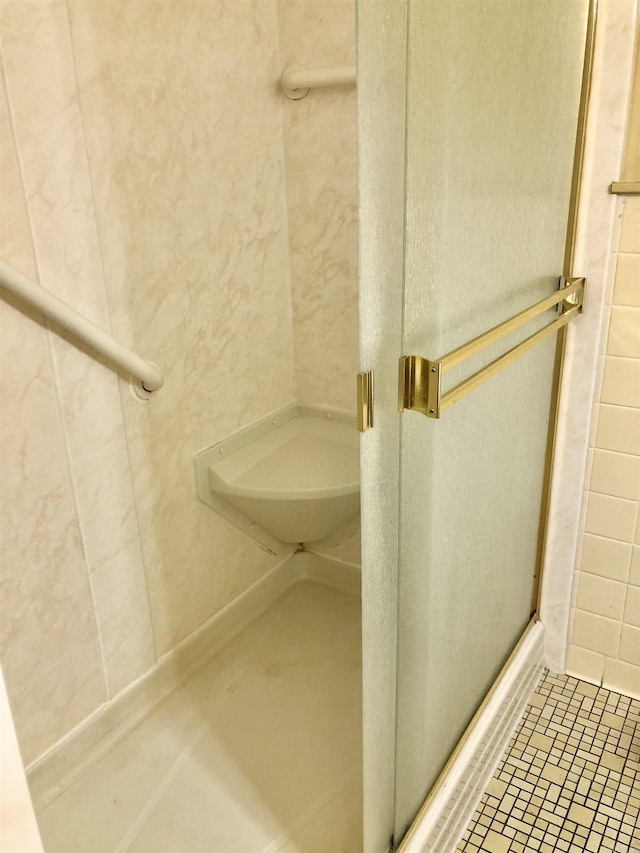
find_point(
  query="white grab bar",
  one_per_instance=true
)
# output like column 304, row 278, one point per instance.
column 297, row 80
column 37, row 297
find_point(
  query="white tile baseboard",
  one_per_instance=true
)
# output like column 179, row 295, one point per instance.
column 445, row 816
column 78, row 750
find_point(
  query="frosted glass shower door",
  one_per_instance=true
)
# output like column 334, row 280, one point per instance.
column 492, row 101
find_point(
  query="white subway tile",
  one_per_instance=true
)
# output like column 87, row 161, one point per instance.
column 616, row 474
column 585, row 664
column 612, row 517
column 630, row 645
column 622, row 677
column 618, row 429
column 621, row 381
column 596, row 633
column 601, row 596
column 634, row 573
column 624, row 332
column 608, row 558
column 627, row 281
column 630, row 231
column 632, row 606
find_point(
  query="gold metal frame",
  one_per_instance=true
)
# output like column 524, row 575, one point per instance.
column 420, row 380
column 569, row 255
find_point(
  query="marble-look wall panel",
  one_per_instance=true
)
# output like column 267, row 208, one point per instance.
column 183, row 130
column 150, row 143
column 39, row 64
column 320, row 146
column 48, row 640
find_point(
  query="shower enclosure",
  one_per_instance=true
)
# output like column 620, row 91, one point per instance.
column 468, row 204
column 199, row 245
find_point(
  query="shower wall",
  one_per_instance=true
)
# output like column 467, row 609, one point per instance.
column 143, row 181
column 320, row 144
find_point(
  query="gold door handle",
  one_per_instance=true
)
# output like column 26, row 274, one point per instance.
column 420, row 379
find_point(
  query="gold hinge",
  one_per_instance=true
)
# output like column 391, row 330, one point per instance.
column 364, row 384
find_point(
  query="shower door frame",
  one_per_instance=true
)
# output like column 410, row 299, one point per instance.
column 375, row 824
column 568, row 272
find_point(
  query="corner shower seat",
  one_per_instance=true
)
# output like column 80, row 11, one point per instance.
column 296, row 475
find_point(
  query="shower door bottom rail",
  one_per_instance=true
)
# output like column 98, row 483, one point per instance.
column 420, row 379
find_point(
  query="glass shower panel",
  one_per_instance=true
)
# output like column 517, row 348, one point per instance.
column 493, row 90
column 381, row 52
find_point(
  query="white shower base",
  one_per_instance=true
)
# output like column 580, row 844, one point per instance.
column 259, row 751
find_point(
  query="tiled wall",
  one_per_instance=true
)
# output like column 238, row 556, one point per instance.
column 605, row 635
column 142, row 177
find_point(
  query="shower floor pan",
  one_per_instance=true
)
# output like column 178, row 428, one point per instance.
column 260, row 752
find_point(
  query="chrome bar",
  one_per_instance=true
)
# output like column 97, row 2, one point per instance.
column 66, row 318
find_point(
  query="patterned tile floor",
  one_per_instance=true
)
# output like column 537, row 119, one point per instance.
column 570, row 778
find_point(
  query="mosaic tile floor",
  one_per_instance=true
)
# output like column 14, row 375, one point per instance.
column 570, row 778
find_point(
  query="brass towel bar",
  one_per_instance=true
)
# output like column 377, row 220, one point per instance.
column 625, row 188
column 420, row 379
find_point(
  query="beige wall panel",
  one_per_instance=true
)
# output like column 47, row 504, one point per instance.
column 48, row 642
column 184, row 142
column 320, row 142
